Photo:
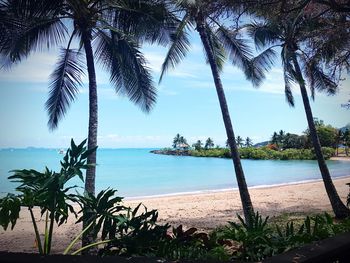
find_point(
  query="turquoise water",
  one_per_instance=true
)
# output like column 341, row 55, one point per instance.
column 136, row 172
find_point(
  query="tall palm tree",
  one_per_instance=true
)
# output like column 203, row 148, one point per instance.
column 248, row 142
column 109, row 32
column 198, row 145
column 209, row 143
column 239, row 141
column 176, row 140
column 274, row 138
column 289, row 33
column 218, row 42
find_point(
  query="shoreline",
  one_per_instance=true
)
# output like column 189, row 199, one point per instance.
column 340, row 158
column 213, row 191
column 252, row 153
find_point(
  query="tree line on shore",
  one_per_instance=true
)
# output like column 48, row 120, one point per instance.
column 311, row 36
column 180, row 143
column 298, row 146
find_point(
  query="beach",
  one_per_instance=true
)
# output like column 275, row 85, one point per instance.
column 204, row 211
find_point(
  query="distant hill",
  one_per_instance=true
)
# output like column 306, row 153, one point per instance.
column 261, row 144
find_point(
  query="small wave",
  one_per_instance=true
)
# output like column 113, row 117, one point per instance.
column 209, row 191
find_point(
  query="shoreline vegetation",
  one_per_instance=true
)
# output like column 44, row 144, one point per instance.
column 282, row 145
column 262, row 153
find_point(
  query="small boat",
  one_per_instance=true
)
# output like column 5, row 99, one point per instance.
column 61, row 151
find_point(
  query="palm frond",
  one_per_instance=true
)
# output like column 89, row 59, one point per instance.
column 263, row 34
column 260, row 65
column 186, row 3
column 289, row 74
column 150, row 21
column 287, row 89
column 29, row 26
column 178, row 48
column 240, row 54
column 318, row 80
column 64, row 82
column 120, row 55
column 238, row 50
column 216, row 48
column 286, row 58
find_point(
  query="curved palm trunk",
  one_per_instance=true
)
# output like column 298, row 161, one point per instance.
column 92, row 134
column 339, row 209
column 242, row 185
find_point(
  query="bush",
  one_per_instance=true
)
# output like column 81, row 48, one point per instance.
column 48, row 191
column 260, row 240
column 217, row 152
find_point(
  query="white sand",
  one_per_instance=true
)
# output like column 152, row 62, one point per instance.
column 204, row 211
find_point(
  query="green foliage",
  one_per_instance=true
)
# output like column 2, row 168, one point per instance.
column 260, row 240
column 264, row 153
column 326, row 134
column 10, row 207
column 209, row 143
column 198, row 145
column 47, row 191
column 102, row 209
column 221, row 152
column 132, row 232
column 179, row 142
column 135, row 234
column 254, row 238
column 248, row 142
column 239, row 141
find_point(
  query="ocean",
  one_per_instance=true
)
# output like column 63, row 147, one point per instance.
column 139, row 173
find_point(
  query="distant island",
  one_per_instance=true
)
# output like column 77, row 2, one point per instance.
column 282, row 146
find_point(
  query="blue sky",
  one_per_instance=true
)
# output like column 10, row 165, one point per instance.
column 187, row 104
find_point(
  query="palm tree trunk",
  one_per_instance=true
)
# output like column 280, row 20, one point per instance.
column 92, row 133
column 93, row 118
column 242, row 185
column 339, row 209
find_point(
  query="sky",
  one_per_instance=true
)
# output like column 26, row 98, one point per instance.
column 187, row 104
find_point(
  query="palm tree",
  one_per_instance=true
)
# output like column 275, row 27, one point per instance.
column 338, row 140
column 183, row 143
column 176, row 140
column 248, row 142
column 274, row 138
column 281, row 137
column 198, row 145
column 289, row 33
column 209, row 143
column 109, row 32
column 239, row 141
column 218, row 41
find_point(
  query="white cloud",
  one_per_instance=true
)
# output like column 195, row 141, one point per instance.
column 118, row 141
column 165, row 91
column 36, row 69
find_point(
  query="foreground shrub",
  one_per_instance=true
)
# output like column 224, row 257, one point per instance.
column 260, row 240
column 48, row 191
